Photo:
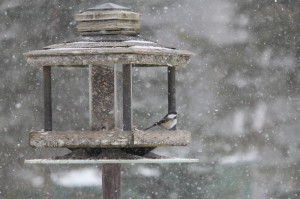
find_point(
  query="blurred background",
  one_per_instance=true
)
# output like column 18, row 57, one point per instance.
column 239, row 96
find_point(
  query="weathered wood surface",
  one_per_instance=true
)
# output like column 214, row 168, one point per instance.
column 108, row 15
column 101, row 81
column 111, row 138
column 99, row 56
column 111, row 181
column 115, row 22
column 84, row 60
column 162, row 138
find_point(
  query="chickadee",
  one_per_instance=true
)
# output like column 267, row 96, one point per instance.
column 167, row 122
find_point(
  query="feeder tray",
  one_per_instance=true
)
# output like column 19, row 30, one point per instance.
column 108, row 139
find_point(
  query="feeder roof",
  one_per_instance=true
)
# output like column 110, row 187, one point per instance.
column 108, row 50
column 109, row 35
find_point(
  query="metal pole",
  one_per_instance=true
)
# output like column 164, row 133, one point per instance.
column 127, row 96
column 116, row 111
column 47, row 98
column 171, row 90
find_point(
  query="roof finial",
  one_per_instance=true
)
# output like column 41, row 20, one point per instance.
column 108, row 19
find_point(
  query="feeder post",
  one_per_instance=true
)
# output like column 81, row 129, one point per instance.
column 172, row 90
column 101, row 81
column 47, row 98
column 111, row 181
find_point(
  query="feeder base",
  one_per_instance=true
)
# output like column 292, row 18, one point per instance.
column 112, row 161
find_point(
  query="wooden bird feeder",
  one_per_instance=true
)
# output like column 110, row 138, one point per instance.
column 110, row 45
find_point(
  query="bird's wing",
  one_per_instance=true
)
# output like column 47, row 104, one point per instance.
column 155, row 124
column 162, row 121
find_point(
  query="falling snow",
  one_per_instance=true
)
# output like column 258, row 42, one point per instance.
column 239, row 97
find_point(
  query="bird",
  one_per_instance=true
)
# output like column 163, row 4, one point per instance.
column 167, row 122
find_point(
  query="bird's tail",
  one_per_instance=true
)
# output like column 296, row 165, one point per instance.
column 150, row 127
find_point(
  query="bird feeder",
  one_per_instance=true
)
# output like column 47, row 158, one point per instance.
column 109, row 39
column 110, row 45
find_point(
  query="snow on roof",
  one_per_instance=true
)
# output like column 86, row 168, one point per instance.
column 70, row 48
column 150, row 47
column 139, row 41
column 84, row 42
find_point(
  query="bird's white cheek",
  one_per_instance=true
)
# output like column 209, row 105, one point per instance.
column 171, row 116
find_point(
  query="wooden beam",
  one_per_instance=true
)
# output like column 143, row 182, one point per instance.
column 107, row 56
column 108, row 139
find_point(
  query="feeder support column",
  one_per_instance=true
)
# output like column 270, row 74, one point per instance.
column 47, row 98
column 101, row 98
column 171, row 91
column 127, row 97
